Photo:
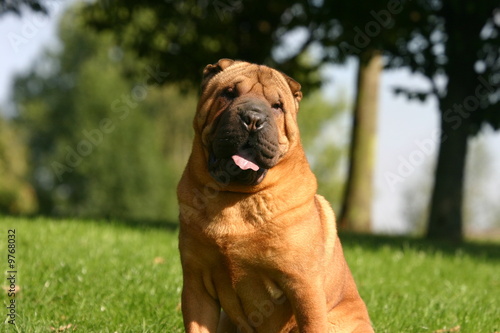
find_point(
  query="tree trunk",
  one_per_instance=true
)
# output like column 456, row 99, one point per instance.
column 356, row 207
column 445, row 218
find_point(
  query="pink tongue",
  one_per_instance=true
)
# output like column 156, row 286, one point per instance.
column 244, row 164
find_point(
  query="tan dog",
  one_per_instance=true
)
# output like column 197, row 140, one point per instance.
column 255, row 238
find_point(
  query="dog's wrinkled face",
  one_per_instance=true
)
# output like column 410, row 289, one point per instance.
column 243, row 115
column 246, row 134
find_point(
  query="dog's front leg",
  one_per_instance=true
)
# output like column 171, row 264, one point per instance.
column 200, row 311
column 309, row 307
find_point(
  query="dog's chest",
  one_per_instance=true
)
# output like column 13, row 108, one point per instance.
column 243, row 217
column 252, row 280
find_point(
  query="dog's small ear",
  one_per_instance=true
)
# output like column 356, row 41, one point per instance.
column 295, row 87
column 212, row 69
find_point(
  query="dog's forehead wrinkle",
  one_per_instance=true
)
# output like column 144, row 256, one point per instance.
column 283, row 86
column 239, row 68
column 268, row 91
column 254, row 87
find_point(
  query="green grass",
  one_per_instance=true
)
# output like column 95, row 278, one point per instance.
column 419, row 286
column 119, row 277
column 96, row 276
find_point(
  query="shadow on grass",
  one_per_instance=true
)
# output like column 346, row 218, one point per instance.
column 147, row 224
column 132, row 223
column 484, row 250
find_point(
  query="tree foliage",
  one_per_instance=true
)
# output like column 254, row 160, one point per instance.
column 186, row 35
column 98, row 139
column 454, row 34
column 17, row 6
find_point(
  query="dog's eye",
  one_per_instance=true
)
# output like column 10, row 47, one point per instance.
column 229, row 93
column 278, row 106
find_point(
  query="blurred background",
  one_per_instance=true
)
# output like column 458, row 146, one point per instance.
column 398, row 120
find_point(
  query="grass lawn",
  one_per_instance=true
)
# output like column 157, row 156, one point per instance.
column 96, row 276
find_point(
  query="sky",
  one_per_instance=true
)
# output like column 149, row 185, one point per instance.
column 407, row 130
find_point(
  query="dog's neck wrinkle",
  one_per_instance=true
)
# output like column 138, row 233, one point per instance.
column 253, row 212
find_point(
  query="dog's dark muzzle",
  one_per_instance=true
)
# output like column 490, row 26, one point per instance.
column 245, row 143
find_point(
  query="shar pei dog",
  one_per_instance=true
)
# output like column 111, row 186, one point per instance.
column 259, row 248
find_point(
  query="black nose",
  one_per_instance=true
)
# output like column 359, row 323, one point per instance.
column 253, row 121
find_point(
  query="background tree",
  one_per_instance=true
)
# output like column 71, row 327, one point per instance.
column 480, row 199
column 356, row 212
column 430, row 37
column 367, row 32
column 96, row 138
column 457, row 50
